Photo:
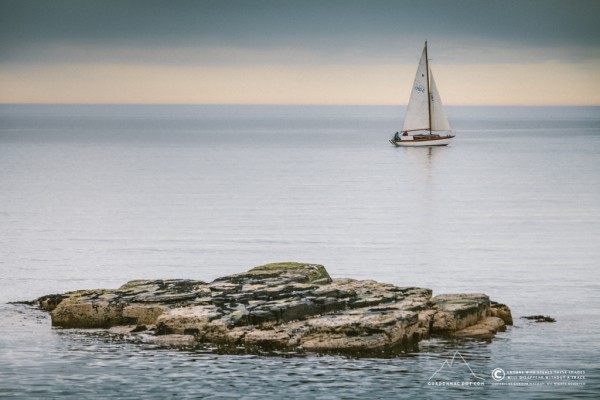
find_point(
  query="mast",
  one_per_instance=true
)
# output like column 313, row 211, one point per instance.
column 428, row 87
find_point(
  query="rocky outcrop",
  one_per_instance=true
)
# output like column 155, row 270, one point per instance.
column 281, row 307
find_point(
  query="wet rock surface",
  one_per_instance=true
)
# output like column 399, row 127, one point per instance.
column 290, row 307
column 539, row 318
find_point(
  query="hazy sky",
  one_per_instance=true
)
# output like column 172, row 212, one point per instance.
column 298, row 52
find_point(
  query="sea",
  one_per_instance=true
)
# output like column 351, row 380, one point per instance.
column 92, row 196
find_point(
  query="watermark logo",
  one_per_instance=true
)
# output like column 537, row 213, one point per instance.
column 455, row 372
column 538, row 377
column 498, row 374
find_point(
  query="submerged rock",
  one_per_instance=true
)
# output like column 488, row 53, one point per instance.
column 291, row 307
column 539, row 318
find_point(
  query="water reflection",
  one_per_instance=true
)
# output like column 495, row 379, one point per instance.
column 88, row 364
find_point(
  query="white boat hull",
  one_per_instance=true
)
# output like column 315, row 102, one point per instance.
column 409, row 141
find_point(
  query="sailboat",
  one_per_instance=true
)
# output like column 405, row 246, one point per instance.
column 425, row 123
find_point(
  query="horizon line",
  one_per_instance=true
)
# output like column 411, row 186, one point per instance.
column 282, row 104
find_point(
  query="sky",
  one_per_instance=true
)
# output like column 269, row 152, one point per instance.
column 482, row 52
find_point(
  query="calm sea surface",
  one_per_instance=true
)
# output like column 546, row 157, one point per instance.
column 94, row 196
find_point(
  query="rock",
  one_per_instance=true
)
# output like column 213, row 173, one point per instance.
column 483, row 329
column 143, row 314
column 88, row 309
column 458, row 311
column 49, row 302
column 139, row 328
column 539, row 318
column 191, row 319
column 291, row 307
column 501, row 311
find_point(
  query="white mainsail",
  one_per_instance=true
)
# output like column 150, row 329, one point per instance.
column 417, row 113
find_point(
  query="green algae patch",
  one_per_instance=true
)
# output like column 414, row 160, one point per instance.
column 282, row 265
column 312, row 273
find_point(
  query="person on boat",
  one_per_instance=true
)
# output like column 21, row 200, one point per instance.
column 405, row 133
column 397, row 136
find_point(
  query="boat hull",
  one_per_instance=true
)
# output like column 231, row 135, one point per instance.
column 413, row 142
